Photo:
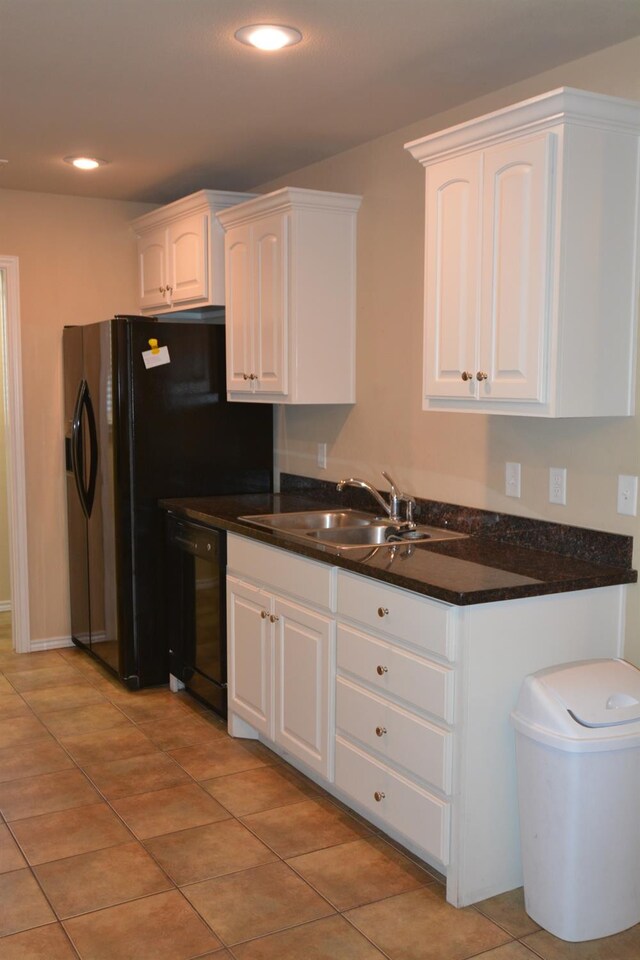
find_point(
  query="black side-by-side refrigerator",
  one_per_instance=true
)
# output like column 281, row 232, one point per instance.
column 135, row 434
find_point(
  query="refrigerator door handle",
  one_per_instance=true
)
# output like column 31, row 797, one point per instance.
column 93, row 447
column 77, row 458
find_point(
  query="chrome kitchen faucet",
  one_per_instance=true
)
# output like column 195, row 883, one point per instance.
column 392, row 509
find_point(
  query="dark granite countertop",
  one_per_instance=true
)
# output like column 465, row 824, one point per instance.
column 477, row 569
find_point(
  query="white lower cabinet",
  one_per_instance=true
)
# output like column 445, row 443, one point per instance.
column 250, row 654
column 281, row 656
column 400, row 803
column 399, row 704
column 303, row 643
column 393, row 710
column 420, row 748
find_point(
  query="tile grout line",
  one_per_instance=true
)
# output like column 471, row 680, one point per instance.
column 429, row 879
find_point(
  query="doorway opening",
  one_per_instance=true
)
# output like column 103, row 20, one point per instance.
column 13, row 462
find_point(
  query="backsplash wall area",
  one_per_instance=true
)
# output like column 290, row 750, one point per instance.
column 450, row 457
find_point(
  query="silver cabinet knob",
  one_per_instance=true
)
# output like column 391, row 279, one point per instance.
column 273, row 618
column 264, row 614
column 380, row 670
column 245, row 376
column 466, row 375
column 383, row 611
column 380, row 731
column 161, row 289
column 480, row 375
column 378, row 796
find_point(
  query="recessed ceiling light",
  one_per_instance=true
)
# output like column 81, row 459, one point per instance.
column 268, row 36
column 85, row 163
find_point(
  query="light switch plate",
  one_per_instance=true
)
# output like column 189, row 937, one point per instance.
column 512, row 479
column 627, row 495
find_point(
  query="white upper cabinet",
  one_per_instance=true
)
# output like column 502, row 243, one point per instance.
column 531, row 259
column 290, row 313
column 181, row 253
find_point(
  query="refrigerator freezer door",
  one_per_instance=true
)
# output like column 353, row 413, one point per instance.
column 77, row 524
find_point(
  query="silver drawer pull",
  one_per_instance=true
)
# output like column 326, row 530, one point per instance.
column 380, row 731
column 380, row 670
column 383, row 611
column 378, row 796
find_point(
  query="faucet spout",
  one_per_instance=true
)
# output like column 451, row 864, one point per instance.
column 357, row 482
column 392, row 509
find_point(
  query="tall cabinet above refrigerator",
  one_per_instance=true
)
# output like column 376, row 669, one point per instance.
column 134, row 434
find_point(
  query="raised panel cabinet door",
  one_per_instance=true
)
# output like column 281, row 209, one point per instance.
column 270, row 268
column 239, row 322
column 515, row 296
column 153, row 274
column 188, row 256
column 303, row 719
column 250, row 661
column 452, row 261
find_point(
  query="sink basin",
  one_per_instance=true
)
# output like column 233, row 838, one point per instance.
column 312, row 520
column 346, row 529
column 379, row 534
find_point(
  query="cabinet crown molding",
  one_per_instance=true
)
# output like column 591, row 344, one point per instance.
column 288, row 198
column 564, row 105
column 200, row 202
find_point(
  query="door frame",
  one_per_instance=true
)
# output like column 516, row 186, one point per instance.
column 15, row 459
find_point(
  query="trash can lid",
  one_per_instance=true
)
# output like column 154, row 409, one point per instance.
column 582, row 705
column 598, row 693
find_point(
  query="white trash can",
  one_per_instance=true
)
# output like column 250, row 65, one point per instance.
column 578, row 759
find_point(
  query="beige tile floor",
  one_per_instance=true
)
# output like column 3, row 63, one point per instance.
column 133, row 828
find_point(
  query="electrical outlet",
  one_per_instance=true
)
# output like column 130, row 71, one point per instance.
column 321, row 456
column 558, row 485
column 627, row 495
column 512, row 479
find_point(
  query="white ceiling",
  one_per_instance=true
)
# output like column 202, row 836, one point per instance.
column 161, row 89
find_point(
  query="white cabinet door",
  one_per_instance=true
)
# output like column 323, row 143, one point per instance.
column 153, row 269
column 517, row 247
column 249, row 647
column 239, row 312
column 270, row 257
column 452, row 279
column 295, row 249
column 303, row 645
column 188, row 259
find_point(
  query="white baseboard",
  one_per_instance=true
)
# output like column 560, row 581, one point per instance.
column 50, row 643
column 5, row 606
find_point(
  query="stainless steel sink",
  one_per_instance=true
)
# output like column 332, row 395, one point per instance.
column 312, row 520
column 346, row 529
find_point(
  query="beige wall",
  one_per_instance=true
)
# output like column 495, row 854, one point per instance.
column 77, row 264
column 452, row 457
column 5, row 579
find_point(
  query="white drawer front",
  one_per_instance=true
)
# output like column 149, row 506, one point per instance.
column 392, row 670
column 407, row 616
column 398, row 736
column 286, row 572
column 405, row 807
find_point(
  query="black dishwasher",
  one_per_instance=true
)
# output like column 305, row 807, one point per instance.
column 196, row 610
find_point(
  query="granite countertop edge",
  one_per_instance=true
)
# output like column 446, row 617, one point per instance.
column 224, row 513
